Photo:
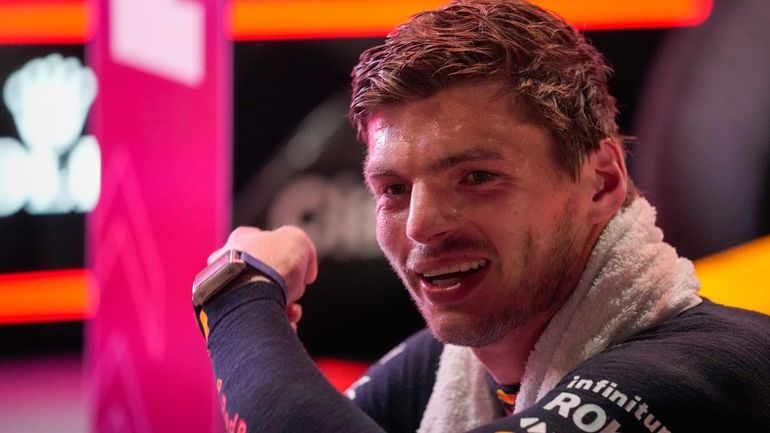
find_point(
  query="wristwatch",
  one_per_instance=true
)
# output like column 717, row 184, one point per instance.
column 230, row 265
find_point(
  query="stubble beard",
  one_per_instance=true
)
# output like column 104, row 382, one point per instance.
column 542, row 291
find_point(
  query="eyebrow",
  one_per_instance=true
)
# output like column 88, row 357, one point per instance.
column 479, row 154
column 447, row 162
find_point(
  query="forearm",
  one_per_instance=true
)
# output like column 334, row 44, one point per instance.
column 265, row 377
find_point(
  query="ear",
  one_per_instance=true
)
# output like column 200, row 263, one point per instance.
column 606, row 174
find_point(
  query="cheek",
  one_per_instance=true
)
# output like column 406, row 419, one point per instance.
column 383, row 241
column 514, row 245
column 390, row 232
column 393, row 243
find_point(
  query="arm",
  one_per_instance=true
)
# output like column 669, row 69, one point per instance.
column 267, row 382
column 265, row 379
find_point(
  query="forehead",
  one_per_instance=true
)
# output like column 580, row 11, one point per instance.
column 475, row 118
column 451, row 109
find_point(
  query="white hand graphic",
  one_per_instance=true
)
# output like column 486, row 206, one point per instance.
column 42, row 181
column 84, row 173
column 49, row 100
column 14, row 168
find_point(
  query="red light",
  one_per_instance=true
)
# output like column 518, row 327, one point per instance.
column 47, row 296
column 72, row 21
column 45, row 22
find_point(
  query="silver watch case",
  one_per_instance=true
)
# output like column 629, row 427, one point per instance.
column 216, row 275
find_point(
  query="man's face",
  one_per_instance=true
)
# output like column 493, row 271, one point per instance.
column 484, row 229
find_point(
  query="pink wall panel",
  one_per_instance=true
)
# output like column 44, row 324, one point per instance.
column 162, row 118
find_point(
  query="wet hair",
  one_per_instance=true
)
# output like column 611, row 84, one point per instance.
column 556, row 77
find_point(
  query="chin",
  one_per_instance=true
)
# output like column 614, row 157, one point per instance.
column 464, row 330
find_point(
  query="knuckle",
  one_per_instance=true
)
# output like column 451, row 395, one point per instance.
column 295, row 234
column 242, row 230
column 290, row 230
column 242, row 233
column 236, row 233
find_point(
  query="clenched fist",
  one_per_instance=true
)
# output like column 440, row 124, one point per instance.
column 287, row 249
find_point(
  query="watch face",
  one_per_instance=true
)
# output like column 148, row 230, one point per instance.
column 216, row 275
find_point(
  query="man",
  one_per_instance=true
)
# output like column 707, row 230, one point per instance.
column 503, row 203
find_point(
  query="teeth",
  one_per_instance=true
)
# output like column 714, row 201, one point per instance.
column 458, row 267
column 446, row 282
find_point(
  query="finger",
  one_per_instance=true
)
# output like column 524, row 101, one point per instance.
column 294, row 313
column 305, row 269
column 238, row 239
column 243, row 232
column 243, row 238
column 311, row 272
column 297, row 313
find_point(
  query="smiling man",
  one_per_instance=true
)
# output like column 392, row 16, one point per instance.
column 475, row 215
column 503, row 203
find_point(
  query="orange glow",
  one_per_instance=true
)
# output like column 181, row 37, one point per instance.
column 293, row 19
column 613, row 14
column 298, row 19
column 72, row 21
column 738, row 276
column 46, row 296
column 45, row 22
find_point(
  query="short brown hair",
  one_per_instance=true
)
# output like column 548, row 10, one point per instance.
column 547, row 64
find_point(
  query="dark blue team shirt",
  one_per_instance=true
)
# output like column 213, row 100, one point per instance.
column 705, row 371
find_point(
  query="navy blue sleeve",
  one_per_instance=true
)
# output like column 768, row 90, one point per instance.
column 265, row 379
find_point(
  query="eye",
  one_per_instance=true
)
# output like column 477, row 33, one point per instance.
column 478, row 177
column 394, row 189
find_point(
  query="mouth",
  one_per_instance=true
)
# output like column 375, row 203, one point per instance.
column 445, row 277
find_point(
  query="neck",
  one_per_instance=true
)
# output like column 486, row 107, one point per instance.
column 505, row 359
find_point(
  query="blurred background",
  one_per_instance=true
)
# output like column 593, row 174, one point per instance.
column 134, row 134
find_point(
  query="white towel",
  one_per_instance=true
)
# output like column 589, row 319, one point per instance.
column 632, row 281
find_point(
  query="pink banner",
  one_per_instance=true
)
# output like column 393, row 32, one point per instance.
column 162, row 120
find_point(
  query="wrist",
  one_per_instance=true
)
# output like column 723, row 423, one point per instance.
column 245, row 292
column 232, row 269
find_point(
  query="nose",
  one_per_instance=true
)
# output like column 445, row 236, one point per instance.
column 431, row 215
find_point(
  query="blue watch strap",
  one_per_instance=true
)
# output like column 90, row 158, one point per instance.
column 267, row 271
